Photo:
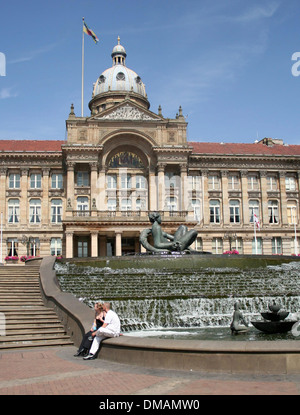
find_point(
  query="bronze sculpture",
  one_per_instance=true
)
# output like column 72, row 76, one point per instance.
column 163, row 241
column 236, row 319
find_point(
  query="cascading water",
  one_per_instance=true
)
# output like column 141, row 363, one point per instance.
column 154, row 299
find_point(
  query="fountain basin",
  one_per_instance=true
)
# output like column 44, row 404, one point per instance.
column 275, row 317
column 274, row 326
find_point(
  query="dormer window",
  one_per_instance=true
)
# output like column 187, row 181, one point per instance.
column 138, row 80
column 101, row 79
column 120, row 76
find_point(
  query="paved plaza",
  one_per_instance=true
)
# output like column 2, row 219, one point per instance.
column 55, row 371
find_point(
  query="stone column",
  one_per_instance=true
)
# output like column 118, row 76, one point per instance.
column 264, row 198
column 94, row 244
column 24, row 202
column 161, row 186
column 245, row 205
column 225, row 203
column 118, row 243
column 70, row 185
column 184, row 187
column 101, row 196
column 46, row 204
column 283, row 203
column 152, row 189
column 205, row 199
column 94, row 189
column 69, row 244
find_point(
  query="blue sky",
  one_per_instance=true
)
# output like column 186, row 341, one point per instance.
column 227, row 63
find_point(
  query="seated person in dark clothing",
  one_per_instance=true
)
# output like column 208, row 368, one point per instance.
column 87, row 339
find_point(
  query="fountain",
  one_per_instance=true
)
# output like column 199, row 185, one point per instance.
column 274, row 320
column 190, row 294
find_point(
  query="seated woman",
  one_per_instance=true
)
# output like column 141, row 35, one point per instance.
column 87, row 339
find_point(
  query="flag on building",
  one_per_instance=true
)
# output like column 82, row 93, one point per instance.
column 256, row 221
column 90, row 32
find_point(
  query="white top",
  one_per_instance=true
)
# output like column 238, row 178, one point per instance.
column 112, row 321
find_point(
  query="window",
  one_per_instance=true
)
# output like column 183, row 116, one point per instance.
column 253, row 183
column 171, row 180
column 126, row 182
column 237, row 244
column 83, row 248
column 234, row 211
column 214, row 211
column 82, row 204
column 171, row 203
column 34, row 246
column 257, row 246
column 83, row 178
column 126, row 204
column 35, row 181
column 217, row 246
column 292, row 212
column 112, row 204
column 56, row 211
column 12, row 247
column 140, row 182
column 272, row 182
column 273, row 211
column 194, row 183
column 101, row 79
column 197, row 209
column 56, row 246
column 120, row 76
column 14, row 181
column 213, row 182
column 111, row 181
column 35, row 211
column 13, row 210
column 233, row 182
column 57, row 181
column 253, row 209
column 199, row 244
column 276, row 246
column 290, row 183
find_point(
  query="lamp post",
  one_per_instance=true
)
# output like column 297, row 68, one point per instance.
column 230, row 236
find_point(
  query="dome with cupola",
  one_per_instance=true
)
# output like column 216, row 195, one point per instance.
column 117, row 82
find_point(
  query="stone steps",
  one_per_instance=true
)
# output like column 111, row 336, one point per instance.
column 28, row 322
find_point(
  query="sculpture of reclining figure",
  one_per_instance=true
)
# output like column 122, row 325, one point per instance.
column 163, row 241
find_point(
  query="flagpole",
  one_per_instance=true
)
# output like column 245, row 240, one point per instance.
column 254, row 222
column 82, row 67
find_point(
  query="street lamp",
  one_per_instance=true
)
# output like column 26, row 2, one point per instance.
column 230, row 236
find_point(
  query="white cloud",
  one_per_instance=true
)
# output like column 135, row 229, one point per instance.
column 32, row 54
column 7, row 93
column 257, row 12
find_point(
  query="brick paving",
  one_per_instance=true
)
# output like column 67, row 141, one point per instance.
column 55, row 371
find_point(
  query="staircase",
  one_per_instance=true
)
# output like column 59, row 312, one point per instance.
column 28, row 322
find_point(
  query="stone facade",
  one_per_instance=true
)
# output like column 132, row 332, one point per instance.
column 90, row 195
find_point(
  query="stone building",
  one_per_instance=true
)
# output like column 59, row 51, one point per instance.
column 90, row 194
